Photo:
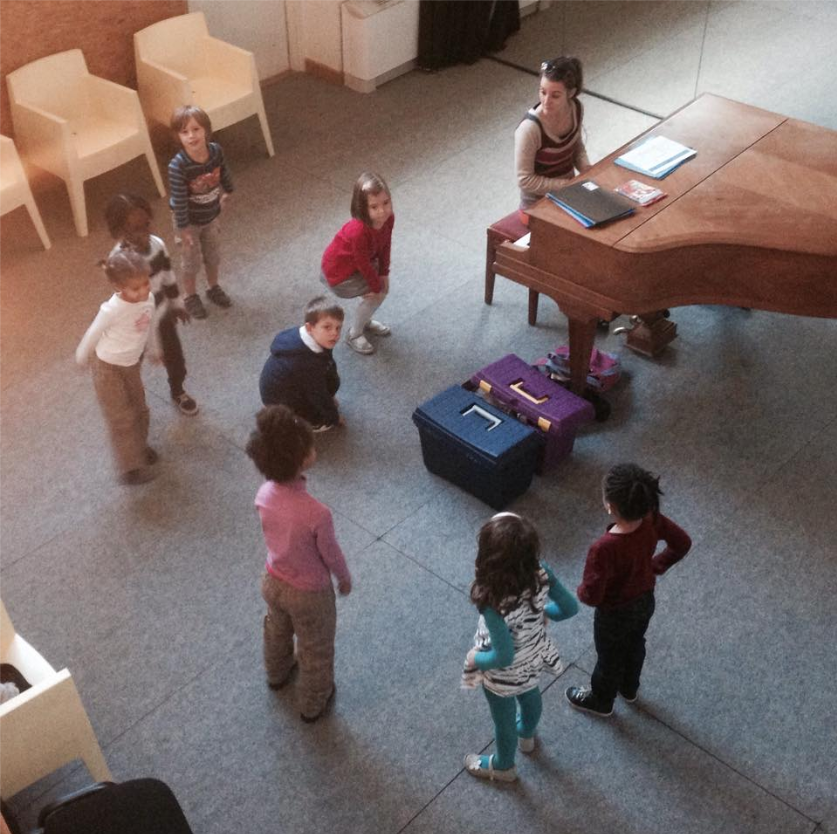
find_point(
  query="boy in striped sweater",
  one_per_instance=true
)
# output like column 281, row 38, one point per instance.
column 199, row 184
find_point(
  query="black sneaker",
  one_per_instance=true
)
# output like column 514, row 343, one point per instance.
column 630, row 697
column 582, row 697
column 194, row 306
column 218, row 297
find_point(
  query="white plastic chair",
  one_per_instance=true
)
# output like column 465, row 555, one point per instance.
column 14, row 187
column 76, row 125
column 179, row 63
column 44, row 727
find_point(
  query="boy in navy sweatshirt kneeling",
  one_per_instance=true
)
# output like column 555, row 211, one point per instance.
column 300, row 371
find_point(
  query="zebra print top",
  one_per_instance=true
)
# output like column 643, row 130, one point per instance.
column 532, row 647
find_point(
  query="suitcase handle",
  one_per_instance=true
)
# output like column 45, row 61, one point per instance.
column 518, row 389
column 481, row 412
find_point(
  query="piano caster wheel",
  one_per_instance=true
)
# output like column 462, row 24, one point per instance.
column 601, row 406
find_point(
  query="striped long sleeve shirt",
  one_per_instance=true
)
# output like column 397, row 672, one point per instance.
column 196, row 187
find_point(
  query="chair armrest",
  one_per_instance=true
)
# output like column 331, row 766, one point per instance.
column 228, row 61
column 112, row 99
column 42, row 137
column 161, row 90
column 162, row 70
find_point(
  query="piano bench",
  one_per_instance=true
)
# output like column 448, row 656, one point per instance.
column 508, row 228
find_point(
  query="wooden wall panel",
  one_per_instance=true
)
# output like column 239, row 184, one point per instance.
column 103, row 30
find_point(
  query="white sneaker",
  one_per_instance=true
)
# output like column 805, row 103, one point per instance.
column 526, row 745
column 360, row 344
column 377, row 328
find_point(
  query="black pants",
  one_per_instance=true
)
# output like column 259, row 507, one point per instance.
column 619, row 635
column 172, row 353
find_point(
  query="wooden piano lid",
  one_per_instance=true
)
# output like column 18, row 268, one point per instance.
column 759, row 179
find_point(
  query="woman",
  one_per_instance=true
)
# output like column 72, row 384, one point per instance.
column 548, row 144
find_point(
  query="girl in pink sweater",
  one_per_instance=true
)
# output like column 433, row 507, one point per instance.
column 302, row 556
column 356, row 263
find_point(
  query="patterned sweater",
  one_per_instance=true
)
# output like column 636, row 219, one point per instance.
column 196, row 187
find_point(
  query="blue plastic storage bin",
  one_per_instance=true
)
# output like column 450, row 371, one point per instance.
column 476, row 446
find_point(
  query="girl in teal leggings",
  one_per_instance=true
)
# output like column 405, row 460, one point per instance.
column 514, row 593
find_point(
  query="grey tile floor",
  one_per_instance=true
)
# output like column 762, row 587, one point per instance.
column 150, row 596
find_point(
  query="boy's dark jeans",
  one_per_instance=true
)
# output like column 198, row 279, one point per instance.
column 619, row 635
column 172, row 353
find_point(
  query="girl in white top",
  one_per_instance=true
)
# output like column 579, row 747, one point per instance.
column 115, row 342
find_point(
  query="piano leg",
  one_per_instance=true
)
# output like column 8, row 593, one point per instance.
column 582, row 335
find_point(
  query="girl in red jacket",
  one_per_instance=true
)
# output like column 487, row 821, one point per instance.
column 619, row 577
column 356, row 262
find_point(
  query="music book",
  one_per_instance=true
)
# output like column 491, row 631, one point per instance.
column 589, row 204
column 640, row 192
column 656, row 157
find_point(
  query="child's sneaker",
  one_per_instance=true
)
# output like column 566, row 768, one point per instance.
column 526, row 745
column 194, row 306
column 134, row 477
column 630, row 697
column 582, row 697
column 377, row 328
column 360, row 344
column 218, row 297
column 483, row 768
column 186, row 404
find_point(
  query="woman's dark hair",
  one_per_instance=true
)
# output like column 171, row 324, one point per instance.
column 565, row 69
column 632, row 490
column 118, row 209
column 507, row 563
column 123, row 265
column 280, row 443
column 367, row 183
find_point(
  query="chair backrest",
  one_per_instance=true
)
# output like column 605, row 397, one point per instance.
column 174, row 42
column 55, row 84
column 138, row 806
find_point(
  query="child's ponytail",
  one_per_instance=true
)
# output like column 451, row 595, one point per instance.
column 122, row 265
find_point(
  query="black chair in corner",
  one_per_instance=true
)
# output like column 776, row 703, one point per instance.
column 138, row 806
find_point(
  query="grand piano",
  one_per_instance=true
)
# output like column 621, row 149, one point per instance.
column 751, row 221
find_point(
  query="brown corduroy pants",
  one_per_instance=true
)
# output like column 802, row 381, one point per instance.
column 122, row 399
column 312, row 617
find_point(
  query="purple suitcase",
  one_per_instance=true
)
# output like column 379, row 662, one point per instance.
column 538, row 401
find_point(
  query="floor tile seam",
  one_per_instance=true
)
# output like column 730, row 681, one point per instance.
column 702, row 47
column 438, row 793
column 639, row 707
column 412, row 559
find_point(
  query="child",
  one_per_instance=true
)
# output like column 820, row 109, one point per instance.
column 510, row 591
column 300, row 371
column 200, row 185
column 129, row 220
column 302, row 554
column 118, row 336
column 548, row 143
column 356, row 263
column 619, row 579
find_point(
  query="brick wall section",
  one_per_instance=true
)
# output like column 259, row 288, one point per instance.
column 102, row 29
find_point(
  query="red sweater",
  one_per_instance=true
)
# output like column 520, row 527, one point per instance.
column 354, row 248
column 622, row 566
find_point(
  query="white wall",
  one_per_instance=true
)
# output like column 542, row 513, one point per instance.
column 256, row 25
